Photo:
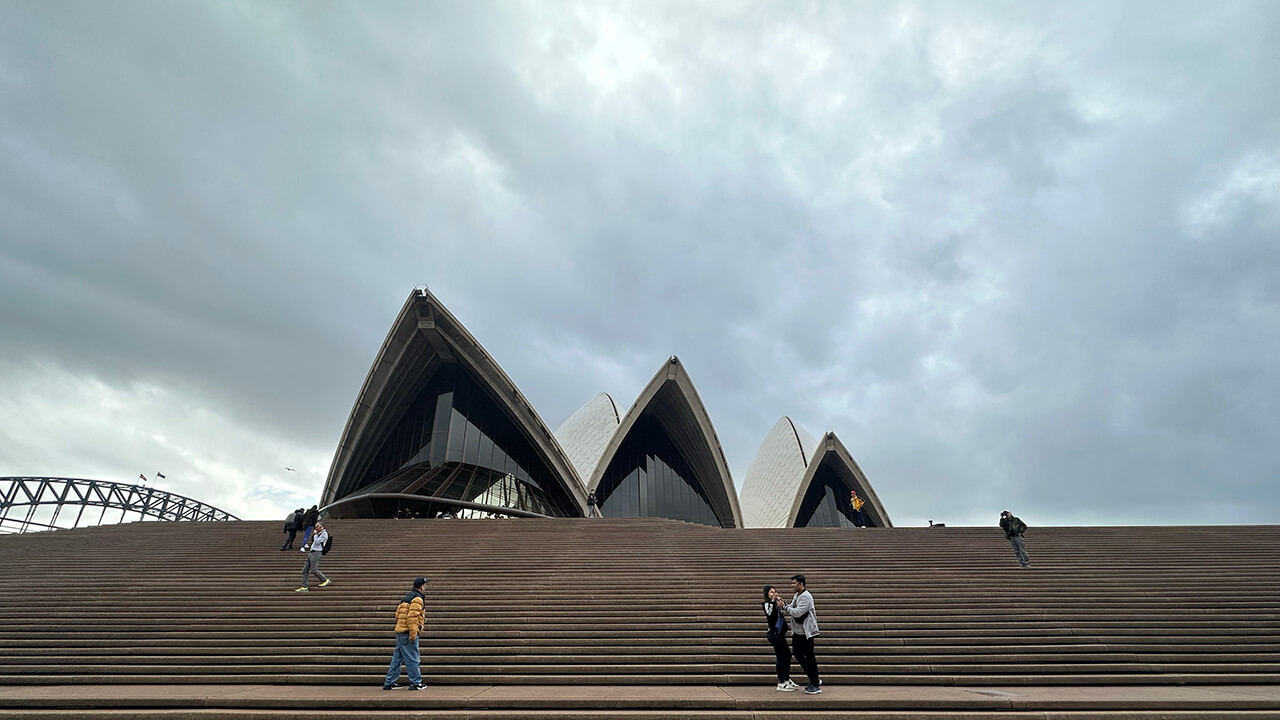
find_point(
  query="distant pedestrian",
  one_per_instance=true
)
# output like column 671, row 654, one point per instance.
column 859, row 519
column 776, row 619
column 309, row 520
column 1013, row 529
column 292, row 525
column 314, row 552
column 593, row 507
column 804, row 628
column 410, row 619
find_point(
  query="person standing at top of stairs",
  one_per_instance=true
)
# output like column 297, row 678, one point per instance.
column 314, row 552
column 804, row 628
column 859, row 519
column 309, row 521
column 411, row 616
column 593, row 507
column 1013, row 529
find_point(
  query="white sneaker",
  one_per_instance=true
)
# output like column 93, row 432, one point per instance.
column 786, row 686
column 791, row 685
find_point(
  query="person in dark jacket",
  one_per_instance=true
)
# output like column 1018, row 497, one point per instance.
column 410, row 619
column 292, row 525
column 1013, row 529
column 309, row 521
column 777, row 637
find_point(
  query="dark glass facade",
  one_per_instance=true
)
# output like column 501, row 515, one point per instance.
column 648, row 477
column 454, row 442
column 826, row 503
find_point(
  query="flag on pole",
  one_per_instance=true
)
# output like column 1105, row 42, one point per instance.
column 160, row 475
column 142, row 477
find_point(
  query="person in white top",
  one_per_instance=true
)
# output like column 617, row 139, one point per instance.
column 315, row 551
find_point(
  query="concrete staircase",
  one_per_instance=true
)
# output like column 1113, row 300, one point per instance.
column 639, row 603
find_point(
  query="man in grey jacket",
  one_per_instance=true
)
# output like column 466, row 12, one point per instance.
column 804, row 628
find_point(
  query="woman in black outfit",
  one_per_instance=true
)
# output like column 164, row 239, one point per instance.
column 778, row 639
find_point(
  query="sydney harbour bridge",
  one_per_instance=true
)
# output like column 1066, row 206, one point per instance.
column 45, row 503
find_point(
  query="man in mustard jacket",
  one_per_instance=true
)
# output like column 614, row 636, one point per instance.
column 410, row 618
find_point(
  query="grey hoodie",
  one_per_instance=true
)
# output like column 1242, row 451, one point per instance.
column 800, row 604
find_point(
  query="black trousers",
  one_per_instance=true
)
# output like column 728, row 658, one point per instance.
column 782, row 657
column 803, row 649
column 289, row 543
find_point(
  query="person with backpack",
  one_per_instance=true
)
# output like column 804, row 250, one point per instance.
column 777, row 637
column 318, row 547
column 804, row 628
column 1013, row 529
column 292, row 525
column 410, row 618
column 309, row 520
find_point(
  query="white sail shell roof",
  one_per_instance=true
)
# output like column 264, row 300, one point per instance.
column 587, row 432
column 775, row 475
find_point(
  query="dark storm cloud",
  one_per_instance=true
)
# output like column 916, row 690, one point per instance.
column 1012, row 254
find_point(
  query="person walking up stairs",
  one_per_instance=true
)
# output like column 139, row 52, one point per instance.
column 410, row 619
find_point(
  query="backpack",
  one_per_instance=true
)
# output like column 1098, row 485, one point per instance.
column 291, row 522
column 328, row 543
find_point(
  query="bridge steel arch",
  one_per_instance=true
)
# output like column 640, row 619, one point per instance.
column 25, row 496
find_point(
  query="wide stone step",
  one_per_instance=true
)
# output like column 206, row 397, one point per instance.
column 627, row 603
column 197, row 701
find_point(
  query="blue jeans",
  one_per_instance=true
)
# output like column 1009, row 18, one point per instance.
column 407, row 654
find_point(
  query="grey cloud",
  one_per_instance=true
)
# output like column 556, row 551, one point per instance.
column 954, row 234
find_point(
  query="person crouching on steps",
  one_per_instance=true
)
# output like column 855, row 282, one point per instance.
column 410, row 618
column 777, row 637
column 314, row 551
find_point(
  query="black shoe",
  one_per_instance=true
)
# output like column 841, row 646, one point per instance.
column 391, row 687
column 812, row 690
column 417, row 687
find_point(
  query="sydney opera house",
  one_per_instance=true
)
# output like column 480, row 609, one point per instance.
column 438, row 427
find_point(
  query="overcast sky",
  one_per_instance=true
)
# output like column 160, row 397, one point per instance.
column 1016, row 255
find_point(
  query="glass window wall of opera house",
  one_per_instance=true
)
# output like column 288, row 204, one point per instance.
column 826, row 503
column 451, row 450
column 649, row 478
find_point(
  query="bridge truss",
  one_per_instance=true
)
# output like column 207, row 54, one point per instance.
column 37, row 503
